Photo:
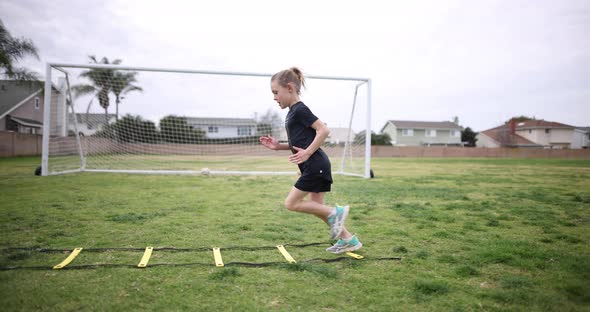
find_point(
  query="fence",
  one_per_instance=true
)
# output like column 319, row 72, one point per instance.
column 18, row 144
column 500, row 152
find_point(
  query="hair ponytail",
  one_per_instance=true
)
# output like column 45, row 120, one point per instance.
column 291, row 75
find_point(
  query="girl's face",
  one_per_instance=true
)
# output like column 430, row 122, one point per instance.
column 285, row 96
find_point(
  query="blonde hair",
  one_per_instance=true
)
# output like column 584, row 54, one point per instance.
column 293, row 75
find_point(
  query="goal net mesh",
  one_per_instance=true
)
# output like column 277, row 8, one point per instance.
column 108, row 118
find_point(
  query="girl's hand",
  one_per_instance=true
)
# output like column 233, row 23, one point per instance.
column 269, row 142
column 300, row 157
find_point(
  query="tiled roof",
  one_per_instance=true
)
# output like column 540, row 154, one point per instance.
column 220, row 121
column 407, row 124
column 535, row 124
column 504, row 137
column 27, row 122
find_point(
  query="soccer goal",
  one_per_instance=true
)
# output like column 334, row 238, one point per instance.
column 113, row 118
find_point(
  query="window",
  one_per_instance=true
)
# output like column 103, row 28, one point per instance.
column 455, row 133
column 430, row 133
column 213, row 129
column 547, row 130
column 244, row 131
column 530, row 131
column 407, row 132
column 37, row 103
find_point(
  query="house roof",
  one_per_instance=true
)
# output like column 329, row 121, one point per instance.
column 209, row 121
column 504, row 137
column 27, row 122
column 90, row 119
column 13, row 93
column 409, row 124
column 541, row 124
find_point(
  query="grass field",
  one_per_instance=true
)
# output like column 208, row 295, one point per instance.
column 473, row 234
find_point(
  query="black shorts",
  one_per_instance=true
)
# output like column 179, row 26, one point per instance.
column 316, row 174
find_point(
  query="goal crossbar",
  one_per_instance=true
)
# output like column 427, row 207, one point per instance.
column 193, row 71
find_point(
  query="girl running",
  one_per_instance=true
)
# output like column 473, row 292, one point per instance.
column 306, row 134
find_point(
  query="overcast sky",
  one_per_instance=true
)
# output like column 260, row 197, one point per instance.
column 430, row 60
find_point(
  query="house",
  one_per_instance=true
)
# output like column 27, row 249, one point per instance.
column 503, row 136
column 219, row 128
column 586, row 140
column 22, row 107
column 340, row 136
column 89, row 124
column 533, row 133
column 423, row 133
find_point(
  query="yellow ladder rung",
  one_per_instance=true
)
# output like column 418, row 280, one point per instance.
column 217, row 257
column 286, row 254
column 146, row 257
column 352, row 254
column 69, row 259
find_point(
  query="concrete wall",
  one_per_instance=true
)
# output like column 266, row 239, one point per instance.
column 419, row 151
column 16, row 144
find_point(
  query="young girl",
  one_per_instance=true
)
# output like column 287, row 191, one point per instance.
column 306, row 134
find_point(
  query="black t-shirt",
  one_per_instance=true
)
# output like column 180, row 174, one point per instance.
column 301, row 134
column 298, row 124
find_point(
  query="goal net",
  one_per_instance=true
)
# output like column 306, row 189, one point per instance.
column 112, row 118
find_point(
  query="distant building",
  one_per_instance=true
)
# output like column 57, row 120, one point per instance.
column 586, row 140
column 218, row 128
column 340, row 135
column 534, row 133
column 89, row 124
column 22, row 106
column 423, row 133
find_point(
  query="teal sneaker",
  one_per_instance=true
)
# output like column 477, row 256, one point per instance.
column 336, row 220
column 343, row 245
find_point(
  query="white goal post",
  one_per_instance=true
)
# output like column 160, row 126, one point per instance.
column 115, row 118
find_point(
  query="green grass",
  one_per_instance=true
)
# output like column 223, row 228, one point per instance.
column 474, row 234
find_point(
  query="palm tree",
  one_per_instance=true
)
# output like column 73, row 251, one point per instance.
column 11, row 50
column 100, row 86
column 122, row 84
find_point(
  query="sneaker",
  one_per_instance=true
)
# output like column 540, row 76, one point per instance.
column 345, row 245
column 336, row 220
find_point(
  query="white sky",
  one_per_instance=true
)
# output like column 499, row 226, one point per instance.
column 483, row 61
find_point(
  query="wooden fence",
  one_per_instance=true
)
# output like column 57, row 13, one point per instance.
column 17, row 144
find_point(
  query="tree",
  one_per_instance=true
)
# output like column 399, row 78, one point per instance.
column 122, row 84
column 376, row 139
column 469, row 136
column 520, row 118
column 100, row 84
column 268, row 122
column 13, row 49
column 131, row 129
column 175, row 129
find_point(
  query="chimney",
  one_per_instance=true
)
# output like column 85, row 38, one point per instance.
column 512, row 126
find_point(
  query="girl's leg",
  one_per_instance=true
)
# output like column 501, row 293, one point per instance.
column 319, row 198
column 295, row 202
